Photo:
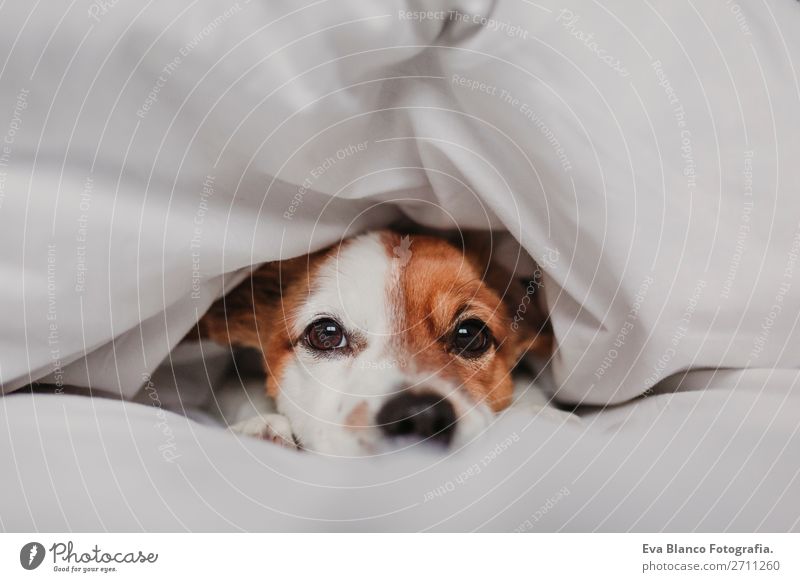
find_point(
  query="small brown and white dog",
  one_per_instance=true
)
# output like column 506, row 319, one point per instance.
column 382, row 339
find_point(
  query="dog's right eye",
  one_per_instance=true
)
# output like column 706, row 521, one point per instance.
column 325, row 335
column 471, row 338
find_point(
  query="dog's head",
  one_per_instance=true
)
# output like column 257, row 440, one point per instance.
column 384, row 338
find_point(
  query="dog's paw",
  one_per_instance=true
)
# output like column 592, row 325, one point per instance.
column 269, row 427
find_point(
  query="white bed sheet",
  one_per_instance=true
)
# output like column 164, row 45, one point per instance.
column 722, row 459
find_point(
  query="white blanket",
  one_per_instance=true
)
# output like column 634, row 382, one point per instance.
column 645, row 156
column 715, row 460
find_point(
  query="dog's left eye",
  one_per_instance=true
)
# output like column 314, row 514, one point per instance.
column 325, row 335
column 471, row 338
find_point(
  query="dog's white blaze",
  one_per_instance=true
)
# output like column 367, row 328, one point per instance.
column 319, row 393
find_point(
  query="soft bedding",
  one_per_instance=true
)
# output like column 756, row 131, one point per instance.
column 644, row 155
column 722, row 459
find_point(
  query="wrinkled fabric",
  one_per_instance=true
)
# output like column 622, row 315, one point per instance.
column 695, row 461
column 644, row 155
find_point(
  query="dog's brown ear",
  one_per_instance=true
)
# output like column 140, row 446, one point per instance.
column 523, row 296
column 234, row 319
column 255, row 311
column 529, row 321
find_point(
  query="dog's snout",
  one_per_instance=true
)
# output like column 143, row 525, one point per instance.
column 425, row 416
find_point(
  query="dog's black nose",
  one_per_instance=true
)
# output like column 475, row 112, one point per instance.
column 425, row 415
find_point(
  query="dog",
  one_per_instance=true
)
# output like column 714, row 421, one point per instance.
column 382, row 340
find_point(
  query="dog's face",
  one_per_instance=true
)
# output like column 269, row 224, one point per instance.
column 379, row 341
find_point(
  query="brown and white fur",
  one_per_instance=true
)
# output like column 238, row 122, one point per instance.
column 399, row 373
